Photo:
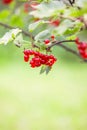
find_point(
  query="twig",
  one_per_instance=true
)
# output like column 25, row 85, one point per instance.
column 23, row 31
column 72, row 51
column 69, row 50
column 56, row 43
column 65, row 47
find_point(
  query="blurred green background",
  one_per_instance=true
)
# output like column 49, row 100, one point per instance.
column 30, row 101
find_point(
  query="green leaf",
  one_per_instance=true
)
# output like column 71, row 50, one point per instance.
column 43, row 69
column 4, row 14
column 16, row 20
column 9, row 36
column 77, row 25
column 18, row 40
column 82, row 35
column 47, row 9
column 15, row 32
column 64, row 26
column 42, row 35
column 35, row 25
column 48, row 69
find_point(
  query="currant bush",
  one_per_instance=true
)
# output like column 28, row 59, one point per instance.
column 45, row 23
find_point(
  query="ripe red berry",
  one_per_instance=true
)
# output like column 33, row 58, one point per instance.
column 84, row 55
column 81, row 52
column 43, row 61
column 82, row 48
column 26, row 58
column 55, row 22
column 36, row 53
column 31, row 52
column 7, row 1
column 46, row 41
column 77, row 41
column 26, row 52
column 51, row 57
column 52, row 36
column 51, row 62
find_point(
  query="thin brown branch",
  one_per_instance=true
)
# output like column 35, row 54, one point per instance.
column 64, row 47
column 69, row 50
column 72, row 51
column 57, row 43
column 23, row 31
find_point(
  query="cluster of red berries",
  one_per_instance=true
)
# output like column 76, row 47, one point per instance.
column 6, row 1
column 47, row 41
column 38, row 58
column 82, row 47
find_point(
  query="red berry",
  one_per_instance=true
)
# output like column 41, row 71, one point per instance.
column 31, row 52
column 84, row 55
column 77, row 41
column 53, row 37
column 36, row 53
column 42, row 56
column 43, row 61
column 55, row 22
column 51, row 57
column 52, row 62
column 26, row 52
column 82, row 46
column 32, row 63
column 26, row 58
column 46, row 41
column 81, row 52
column 7, row 1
